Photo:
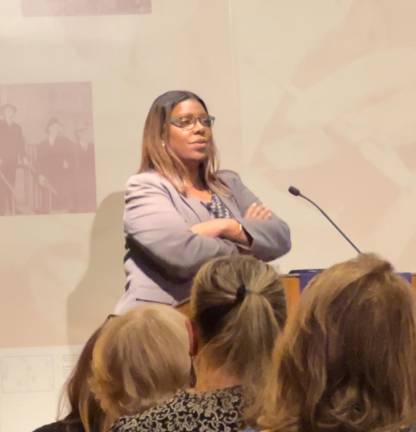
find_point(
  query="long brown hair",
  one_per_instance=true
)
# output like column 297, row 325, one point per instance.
column 238, row 306
column 83, row 407
column 347, row 359
column 160, row 158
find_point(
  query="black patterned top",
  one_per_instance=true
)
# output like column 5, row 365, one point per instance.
column 219, row 410
column 217, row 208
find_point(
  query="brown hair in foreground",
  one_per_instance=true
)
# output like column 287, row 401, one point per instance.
column 239, row 307
column 347, row 359
column 83, row 406
column 140, row 358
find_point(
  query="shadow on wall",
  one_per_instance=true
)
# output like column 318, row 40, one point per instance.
column 103, row 282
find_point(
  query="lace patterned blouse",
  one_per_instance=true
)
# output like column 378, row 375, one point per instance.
column 219, row 410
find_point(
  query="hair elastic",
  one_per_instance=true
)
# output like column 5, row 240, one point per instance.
column 242, row 291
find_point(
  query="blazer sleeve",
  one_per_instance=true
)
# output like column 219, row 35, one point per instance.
column 270, row 238
column 153, row 223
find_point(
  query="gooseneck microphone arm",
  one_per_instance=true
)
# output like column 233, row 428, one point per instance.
column 296, row 192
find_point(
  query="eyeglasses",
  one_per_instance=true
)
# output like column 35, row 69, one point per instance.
column 188, row 122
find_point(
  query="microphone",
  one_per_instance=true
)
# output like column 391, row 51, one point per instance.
column 296, row 192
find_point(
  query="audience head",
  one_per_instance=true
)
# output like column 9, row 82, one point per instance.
column 347, row 358
column 53, row 127
column 83, row 407
column 173, row 140
column 141, row 358
column 8, row 112
column 238, row 309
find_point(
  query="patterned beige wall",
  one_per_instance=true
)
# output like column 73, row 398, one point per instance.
column 327, row 96
column 317, row 94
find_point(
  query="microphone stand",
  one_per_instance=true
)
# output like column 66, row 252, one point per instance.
column 296, row 192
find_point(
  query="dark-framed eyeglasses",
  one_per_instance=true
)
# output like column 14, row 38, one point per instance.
column 189, row 121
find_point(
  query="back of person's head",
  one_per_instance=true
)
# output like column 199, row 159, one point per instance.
column 347, row 359
column 238, row 307
column 140, row 359
column 83, row 407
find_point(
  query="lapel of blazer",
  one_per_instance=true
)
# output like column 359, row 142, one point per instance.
column 231, row 202
column 203, row 214
column 200, row 211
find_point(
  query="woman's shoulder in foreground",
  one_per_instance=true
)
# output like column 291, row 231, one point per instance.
column 213, row 410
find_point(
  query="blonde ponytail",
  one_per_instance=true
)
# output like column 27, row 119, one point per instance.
column 239, row 307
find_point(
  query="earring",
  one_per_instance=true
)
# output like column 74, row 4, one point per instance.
column 163, row 144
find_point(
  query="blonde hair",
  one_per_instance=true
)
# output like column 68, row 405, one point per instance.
column 161, row 158
column 140, row 359
column 347, row 359
column 239, row 307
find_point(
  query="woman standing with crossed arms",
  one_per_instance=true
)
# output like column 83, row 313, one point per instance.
column 180, row 210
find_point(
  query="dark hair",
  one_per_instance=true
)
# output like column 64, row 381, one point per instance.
column 160, row 158
column 83, row 407
column 52, row 121
column 164, row 104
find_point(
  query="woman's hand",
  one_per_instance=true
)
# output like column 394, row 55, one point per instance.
column 258, row 211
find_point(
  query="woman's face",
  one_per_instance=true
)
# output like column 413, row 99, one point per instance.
column 190, row 142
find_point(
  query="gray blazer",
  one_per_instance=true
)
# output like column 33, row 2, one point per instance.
column 163, row 254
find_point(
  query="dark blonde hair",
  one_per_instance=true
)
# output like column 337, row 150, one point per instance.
column 140, row 359
column 160, row 158
column 239, row 307
column 347, row 359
